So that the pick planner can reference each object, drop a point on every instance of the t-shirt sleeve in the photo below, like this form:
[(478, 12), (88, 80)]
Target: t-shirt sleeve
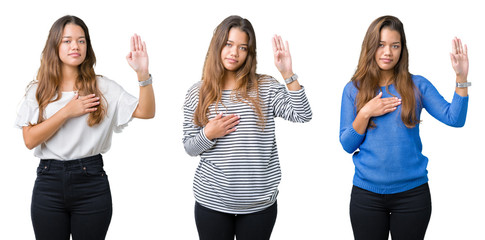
[(28, 110), (126, 105)]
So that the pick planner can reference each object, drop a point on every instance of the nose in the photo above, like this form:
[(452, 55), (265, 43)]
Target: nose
[(234, 51), (74, 45), (387, 51)]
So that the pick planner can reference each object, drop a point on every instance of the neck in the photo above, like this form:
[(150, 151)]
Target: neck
[(229, 80), (387, 77), (69, 77)]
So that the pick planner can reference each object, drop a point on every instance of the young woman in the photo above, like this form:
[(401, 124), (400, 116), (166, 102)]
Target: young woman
[(68, 115), (380, 117), (229, 122)]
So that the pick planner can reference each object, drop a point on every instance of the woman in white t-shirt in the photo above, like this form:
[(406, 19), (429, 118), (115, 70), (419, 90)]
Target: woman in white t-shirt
[(68, 115)]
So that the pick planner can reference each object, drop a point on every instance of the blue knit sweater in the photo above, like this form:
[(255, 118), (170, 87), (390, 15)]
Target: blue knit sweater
[(388, 158)]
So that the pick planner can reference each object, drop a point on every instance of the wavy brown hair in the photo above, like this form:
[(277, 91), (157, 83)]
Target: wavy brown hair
[(49, 76), (367, 76), (246, 90)]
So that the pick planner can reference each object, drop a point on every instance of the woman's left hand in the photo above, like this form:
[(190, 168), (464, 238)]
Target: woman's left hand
[(459, 58), (282, 57), (138, 56)]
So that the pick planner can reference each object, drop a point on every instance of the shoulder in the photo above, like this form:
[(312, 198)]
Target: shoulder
[(192, 96), (418, 79), (350, 89), (421, 82), (194, 89), (31, 90), (105, 83), (267, 82)]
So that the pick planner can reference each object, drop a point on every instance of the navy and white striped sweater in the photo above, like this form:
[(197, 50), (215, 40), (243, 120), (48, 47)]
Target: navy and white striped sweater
[(240, 172)]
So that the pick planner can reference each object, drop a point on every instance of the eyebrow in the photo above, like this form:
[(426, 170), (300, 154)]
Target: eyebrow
[(240, 44), (71, 37), (392, 43)]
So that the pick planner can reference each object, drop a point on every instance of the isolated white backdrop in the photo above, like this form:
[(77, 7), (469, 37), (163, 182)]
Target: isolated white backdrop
[(151, 175)]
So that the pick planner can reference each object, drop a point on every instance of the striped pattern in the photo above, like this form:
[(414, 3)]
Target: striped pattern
[(240, 172)]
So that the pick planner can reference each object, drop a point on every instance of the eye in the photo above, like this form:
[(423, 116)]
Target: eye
[(228, 45), (82, 41), (243, 48), (66, 41), (380, 45), (395, 46)]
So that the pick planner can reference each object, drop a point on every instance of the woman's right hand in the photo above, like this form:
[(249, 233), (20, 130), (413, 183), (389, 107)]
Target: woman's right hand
[(79, 106), (379, 106), (220, 126)]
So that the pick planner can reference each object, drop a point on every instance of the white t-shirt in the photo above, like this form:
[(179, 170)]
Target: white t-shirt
[(75, 139)]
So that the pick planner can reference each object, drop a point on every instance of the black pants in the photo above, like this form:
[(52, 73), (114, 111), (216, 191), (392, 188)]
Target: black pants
[(214, 225), (405, 215), (71, 197)]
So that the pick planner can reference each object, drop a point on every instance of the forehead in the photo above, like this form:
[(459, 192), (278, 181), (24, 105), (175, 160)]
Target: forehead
[(72, 30), (237, 35), (389, 35)]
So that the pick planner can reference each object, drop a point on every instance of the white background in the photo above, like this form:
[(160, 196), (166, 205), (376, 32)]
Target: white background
[(151, 175)]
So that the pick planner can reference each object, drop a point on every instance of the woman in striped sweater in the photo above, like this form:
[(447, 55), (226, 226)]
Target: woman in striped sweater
[(229, 122)]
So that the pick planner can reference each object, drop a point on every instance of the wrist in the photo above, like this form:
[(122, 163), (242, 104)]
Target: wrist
[(461, 79), (287, 75), (207, 135), (143, 76)]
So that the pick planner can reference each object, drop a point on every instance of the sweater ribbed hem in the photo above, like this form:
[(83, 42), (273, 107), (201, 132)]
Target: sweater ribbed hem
[(381, 189)]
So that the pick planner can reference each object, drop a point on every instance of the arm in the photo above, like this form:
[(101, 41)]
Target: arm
[(353, 125), (454, 113), (378, 106), (39, 133), (292, 105), (138, 60), (282, 60), (459, 62), (198, 140)]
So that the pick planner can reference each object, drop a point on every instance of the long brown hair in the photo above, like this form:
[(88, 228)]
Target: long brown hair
[(367, 76), (49, 76), (213, 73)]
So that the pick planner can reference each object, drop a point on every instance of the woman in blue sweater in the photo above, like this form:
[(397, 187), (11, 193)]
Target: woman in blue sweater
[(379, 124)]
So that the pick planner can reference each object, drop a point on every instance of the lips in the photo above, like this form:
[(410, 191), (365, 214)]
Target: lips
[(74, 54), (230, 60), (386, 60)]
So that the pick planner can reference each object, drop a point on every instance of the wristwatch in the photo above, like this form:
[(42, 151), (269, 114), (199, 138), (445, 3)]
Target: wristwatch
[(463, 84), (291, 79), (146, 82)]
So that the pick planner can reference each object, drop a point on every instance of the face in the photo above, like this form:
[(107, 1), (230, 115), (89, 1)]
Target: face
[(72, 50), (389, 49), (235, 51)]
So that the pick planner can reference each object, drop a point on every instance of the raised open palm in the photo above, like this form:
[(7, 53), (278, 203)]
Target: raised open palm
[(459, 58), (138, 57)]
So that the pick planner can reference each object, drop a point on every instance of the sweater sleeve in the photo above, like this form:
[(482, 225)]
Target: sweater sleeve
[(194, 139), (452, 114), (290, 105), (349, 138)]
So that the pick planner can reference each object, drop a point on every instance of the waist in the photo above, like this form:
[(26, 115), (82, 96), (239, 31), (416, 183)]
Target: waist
[(95, 160)]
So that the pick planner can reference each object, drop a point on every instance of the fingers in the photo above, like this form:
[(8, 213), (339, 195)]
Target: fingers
[(273, 43), (453, 59), (230, 121), (454, 46), (136, 44), (378, 95), (136, 38), (280, 45), (132, 43)]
